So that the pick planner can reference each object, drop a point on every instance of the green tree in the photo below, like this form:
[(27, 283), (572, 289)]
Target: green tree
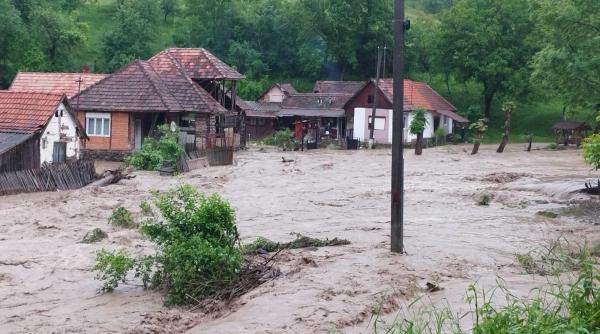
[(132, 35), (478, 129), (486, 41), (12, 32), (58, 35), (169, 8), (569, 63), (417, 126)]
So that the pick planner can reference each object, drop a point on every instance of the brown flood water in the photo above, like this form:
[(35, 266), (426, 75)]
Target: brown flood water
[(46, 285)]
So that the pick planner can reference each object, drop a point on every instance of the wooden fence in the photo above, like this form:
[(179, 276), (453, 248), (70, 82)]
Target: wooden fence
[(63, 176)]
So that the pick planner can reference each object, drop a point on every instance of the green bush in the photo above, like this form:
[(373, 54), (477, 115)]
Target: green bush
[(154, 153), (591, 150), (440, 136), (122, 217), (283, 139), (198, 246)]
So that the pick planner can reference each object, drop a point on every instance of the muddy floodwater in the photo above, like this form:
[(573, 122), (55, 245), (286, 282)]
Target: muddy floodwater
[(47, 286)]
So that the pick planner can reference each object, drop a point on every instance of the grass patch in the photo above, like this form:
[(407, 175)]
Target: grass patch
[(264, 245)]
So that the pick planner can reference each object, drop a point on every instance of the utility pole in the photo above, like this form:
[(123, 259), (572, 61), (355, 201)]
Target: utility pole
[(397, 234), (384, 61), (375, 93)]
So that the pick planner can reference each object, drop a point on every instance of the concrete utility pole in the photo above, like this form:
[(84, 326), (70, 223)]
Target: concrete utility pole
[(398, 131), (375, 93)]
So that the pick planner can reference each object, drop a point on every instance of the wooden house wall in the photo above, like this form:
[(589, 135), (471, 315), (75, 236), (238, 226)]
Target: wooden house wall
[(23, 156), (259, 128)]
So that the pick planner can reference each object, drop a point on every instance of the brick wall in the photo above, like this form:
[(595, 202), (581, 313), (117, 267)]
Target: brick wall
[(120, 133)]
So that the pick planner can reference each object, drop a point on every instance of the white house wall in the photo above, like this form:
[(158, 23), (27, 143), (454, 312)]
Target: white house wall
[(361, 130), (59, 128)]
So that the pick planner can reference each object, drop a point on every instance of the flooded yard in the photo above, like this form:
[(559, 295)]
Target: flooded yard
[(47, 286)]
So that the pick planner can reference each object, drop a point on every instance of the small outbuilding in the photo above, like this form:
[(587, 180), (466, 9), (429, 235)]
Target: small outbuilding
[(570, 132), (37, 128)]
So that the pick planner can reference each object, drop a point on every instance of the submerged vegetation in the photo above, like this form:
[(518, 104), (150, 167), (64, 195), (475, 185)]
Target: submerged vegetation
[(154, 153), (262, 244), (283, 139), (561, 306)]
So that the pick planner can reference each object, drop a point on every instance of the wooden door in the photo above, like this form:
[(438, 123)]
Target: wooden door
[(59, 153)]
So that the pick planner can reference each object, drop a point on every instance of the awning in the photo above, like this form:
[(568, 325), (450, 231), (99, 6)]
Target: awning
[(291, 112), (454, 116), (9, 140)]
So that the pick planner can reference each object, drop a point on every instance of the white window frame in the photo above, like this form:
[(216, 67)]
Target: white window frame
[(95, 117), (378, 120)]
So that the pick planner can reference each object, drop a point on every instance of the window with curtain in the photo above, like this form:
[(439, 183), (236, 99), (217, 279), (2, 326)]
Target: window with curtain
[(97, 124)]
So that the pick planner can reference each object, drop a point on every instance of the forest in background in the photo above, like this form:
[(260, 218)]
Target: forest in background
[(542, 54)]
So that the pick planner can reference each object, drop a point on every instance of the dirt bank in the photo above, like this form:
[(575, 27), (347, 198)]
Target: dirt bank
[(46, 284)]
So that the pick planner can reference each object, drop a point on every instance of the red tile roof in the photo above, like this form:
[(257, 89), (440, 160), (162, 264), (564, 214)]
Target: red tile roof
[(57, 83), (341, 87), (26, 112), (200, 64), (158, 85), (416, 95)]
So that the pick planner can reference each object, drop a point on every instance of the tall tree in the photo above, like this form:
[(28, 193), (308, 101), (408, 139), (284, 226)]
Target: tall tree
[(132, 35), (486, 41), (569, 63), (12, 31), (58, 35)]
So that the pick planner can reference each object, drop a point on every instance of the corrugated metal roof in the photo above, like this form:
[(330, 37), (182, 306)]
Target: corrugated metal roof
[(24, 112), (56, 83), (340, 87), (9, 140)]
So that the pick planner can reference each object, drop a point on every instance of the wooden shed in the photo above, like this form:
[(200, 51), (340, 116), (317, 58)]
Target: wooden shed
[(570, 132)]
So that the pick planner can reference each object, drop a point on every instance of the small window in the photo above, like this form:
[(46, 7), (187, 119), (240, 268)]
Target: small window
[(97, 124), (370, 99), (379, 123)]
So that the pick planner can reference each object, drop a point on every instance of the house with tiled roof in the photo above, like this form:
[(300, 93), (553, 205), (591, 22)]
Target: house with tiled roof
[(440, 113), (37, 128), (189, 87), (277, 93), (56, 83)]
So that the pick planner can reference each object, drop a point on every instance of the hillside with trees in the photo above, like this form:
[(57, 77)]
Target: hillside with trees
[(477, 53)]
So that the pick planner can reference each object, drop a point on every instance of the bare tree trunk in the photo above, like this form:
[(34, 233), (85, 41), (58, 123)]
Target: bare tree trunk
[(475, 148), (530, 142), (487, 104), (419, 144)]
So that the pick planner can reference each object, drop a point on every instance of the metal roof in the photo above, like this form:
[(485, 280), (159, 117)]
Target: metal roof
[(9, 140)]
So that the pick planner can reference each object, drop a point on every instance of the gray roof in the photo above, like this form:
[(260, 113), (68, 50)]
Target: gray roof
[(9, 140)]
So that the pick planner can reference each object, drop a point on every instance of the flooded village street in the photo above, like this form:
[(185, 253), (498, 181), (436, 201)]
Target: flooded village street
[(47, 285)]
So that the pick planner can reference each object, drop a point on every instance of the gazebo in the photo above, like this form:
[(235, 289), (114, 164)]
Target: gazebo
[(570, 132)]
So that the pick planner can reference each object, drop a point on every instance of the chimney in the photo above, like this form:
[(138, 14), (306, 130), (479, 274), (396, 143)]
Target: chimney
[(85, 69)]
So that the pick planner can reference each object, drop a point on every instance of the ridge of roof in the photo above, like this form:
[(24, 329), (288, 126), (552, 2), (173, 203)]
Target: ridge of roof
[(154, 83)]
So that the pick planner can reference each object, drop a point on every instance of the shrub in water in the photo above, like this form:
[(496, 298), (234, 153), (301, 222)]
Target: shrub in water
[(591, 150), (283, 139), (198, 248), (122, 217), (154, 152), (94, 236)]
